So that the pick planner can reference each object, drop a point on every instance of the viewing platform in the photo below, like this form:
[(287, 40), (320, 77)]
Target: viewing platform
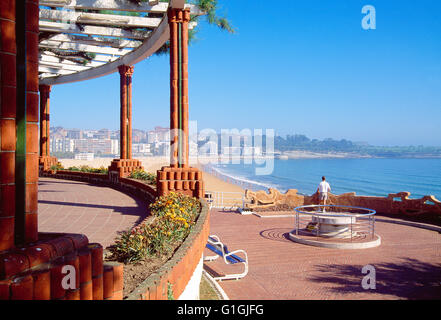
[(407, 267)]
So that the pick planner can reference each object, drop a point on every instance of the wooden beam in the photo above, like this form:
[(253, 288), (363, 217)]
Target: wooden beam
[(59, 27), (51, 57), (159, 7), (157, 39), (63, 66), (54, 70), (82, 47), (88, 40), (99, 18), (117, 5)]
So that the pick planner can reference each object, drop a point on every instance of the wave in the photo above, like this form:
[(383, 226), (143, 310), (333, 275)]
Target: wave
[(364, 177)]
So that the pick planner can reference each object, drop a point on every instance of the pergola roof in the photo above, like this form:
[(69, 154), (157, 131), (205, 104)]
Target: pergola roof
[(79, 41)]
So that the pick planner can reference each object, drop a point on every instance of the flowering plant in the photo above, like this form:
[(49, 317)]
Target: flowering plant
[(174, 215)]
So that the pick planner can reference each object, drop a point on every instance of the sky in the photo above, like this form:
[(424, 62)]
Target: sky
[(295, 66)]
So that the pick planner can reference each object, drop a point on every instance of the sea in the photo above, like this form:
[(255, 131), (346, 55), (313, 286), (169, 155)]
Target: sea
[(365, 176)]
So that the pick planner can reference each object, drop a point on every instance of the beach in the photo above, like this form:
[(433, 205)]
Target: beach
[(152, 164)]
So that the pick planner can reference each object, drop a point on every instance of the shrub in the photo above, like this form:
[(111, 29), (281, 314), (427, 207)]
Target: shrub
[(150, 178), (174, 215), (58, 166), (85, 168)]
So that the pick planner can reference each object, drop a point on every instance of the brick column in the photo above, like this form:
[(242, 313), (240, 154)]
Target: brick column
[(125, 165), (29, 263), (8, 83), (126, 73), (178, 22), (179, 177), (30, 130), (45, 160), (44, 120), (19, 122)]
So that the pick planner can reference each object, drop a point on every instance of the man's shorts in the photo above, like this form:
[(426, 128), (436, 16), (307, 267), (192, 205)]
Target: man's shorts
[(323, 196)]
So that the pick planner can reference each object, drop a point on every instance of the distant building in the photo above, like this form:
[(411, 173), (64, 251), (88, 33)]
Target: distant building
[(84, 156), (74, 134), (159, 134), (96, 146), (141, 148), (103, 134), (61, 145)]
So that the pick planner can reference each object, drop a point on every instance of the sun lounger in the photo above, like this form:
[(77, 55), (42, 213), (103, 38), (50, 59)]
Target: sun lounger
[(215, 245)]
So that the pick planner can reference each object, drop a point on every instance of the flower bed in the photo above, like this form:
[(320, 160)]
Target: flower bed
[(147, 247), (175, 272), (173, 216), (146, 177)]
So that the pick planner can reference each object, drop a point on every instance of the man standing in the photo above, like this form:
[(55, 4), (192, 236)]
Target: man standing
[(323, 190)]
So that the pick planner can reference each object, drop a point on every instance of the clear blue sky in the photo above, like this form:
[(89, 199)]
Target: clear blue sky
[(300, 66)]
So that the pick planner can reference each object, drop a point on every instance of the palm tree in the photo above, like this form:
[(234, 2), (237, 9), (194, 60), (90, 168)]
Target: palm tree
[(211, 8)]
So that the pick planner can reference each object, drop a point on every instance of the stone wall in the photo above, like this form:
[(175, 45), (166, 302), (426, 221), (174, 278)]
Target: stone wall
[(35, 271), (394, 203)]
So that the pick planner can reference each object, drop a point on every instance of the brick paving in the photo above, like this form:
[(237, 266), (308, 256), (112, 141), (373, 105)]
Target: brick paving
[(407, 264), (78, 207)]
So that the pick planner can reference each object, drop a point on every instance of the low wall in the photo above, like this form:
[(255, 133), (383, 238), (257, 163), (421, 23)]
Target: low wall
[(36, 271), (127, 185), (394, 203), (180, 276)]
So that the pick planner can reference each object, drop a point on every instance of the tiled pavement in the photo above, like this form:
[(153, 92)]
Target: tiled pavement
[(77, 207), (407, 264)]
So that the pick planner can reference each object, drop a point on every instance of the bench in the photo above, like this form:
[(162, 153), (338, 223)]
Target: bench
[(215, 245)]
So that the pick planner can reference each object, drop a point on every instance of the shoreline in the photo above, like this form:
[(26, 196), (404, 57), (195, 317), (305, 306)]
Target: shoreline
[(152, 164)]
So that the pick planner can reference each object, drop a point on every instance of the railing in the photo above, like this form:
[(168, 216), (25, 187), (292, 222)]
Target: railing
[(334, 221), (226, 200)]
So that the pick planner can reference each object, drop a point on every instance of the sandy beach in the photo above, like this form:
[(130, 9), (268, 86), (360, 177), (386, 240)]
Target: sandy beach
[(152, 164)]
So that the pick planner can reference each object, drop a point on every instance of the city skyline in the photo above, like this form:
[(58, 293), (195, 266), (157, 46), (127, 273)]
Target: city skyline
[(321, 75)]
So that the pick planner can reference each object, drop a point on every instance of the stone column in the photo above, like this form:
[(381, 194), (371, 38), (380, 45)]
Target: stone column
[(8, 87), (123, 166), (179, 177), (178, 21), (44, 120), (126, 73), (45, 160), (18, 122), (31, 171)]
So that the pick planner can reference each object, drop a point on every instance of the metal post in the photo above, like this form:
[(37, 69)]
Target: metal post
[(351, 228), (297, 219), (318, 227)]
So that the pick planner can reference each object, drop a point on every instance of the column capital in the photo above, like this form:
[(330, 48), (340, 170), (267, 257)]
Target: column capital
[(126, 70), (44, 88), (178, 15)]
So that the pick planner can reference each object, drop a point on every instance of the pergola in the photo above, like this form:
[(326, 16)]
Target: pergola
[(76, 43), (85, 39), (51, 42)]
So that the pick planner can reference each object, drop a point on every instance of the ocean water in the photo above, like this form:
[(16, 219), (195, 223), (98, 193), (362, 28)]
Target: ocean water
[(369, 176)]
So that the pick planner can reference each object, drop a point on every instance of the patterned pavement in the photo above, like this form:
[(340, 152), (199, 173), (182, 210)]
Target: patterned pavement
[(407, 263), (78, 207)]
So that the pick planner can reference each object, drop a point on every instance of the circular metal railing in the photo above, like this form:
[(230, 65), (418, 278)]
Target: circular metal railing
[(335, 222)]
